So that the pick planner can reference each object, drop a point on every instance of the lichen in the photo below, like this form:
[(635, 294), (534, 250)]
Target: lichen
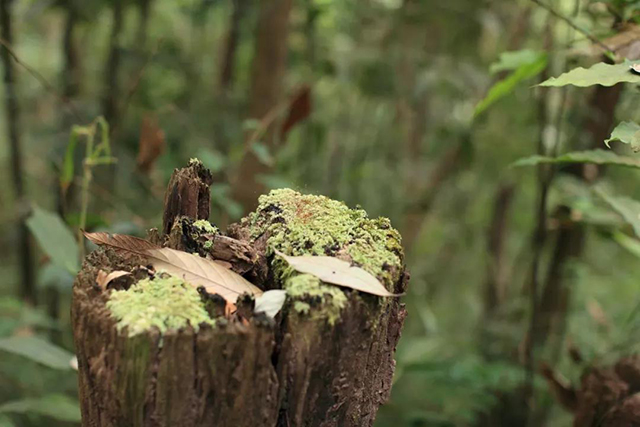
[(299, 224), (194, 161), (165, 302), (307, 290), (205, 226)]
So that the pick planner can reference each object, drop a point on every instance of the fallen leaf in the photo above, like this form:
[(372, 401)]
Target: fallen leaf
[(270, 302), (197, 271), (103, 278), (152, 143), (299, 109), (338, 272)]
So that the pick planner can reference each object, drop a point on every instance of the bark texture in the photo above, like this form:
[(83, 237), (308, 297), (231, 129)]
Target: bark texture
[(296, 370)]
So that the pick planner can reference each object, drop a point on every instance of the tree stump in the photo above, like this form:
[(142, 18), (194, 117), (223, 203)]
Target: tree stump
[(325, 360)]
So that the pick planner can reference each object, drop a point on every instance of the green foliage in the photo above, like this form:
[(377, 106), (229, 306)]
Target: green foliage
[(599, 74), (525, 71), (56, 406), (598, 157), (627, 133), (55, 239), (38, 350), (509, 61), (628, 208)]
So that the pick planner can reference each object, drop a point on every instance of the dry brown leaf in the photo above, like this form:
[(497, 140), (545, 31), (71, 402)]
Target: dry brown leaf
[(122, 242), (104, 279), (335, 271), (215, 278), (197, 271), (152, 143)]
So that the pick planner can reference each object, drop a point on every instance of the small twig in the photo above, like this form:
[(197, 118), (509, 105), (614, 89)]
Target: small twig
[(43, 81), (573, 25)]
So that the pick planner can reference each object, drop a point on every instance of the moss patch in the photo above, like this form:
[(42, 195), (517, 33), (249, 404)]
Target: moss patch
[(307, 290), (165, 303), (300, 224), (205, 226)]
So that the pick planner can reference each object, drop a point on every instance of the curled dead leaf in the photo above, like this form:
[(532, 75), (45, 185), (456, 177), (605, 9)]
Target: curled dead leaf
[(104, 279)]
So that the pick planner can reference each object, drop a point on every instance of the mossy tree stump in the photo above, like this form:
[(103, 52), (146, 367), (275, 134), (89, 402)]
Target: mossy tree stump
[(325, 360)]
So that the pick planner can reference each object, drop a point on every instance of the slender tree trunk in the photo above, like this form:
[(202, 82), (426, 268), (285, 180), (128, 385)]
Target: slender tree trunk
[(143, 23), (12, 112), (227, 74), (72, 74), (267, 78), (111, 88)]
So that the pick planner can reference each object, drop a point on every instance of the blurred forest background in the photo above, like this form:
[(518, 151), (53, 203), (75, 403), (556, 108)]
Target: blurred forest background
[(414, 109)]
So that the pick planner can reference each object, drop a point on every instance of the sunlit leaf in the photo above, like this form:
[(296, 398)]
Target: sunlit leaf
[(507, 85), (338, 272), (627, 133), (56, 406), (38, 350), (55, 238), (599, 157), (270, 302), (599, 74)]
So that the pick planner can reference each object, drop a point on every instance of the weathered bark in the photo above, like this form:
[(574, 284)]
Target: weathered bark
[(12, 108), (267, 78), (295, 371)]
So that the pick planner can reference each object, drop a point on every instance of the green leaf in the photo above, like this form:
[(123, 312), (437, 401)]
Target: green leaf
[(56, 406), (38, 350), (6, 421), (262, 153), (510, 61), (599, 74), (598, 157), (66, 176), (506, 86), (628, 208), (629, 243), (627, 133), (212, 159), (55, 238), (54, 276)]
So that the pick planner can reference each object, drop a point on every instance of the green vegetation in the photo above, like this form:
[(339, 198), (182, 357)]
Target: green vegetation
[(165, 303)]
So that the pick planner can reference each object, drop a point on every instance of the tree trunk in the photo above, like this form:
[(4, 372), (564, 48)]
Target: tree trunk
[(227, 74), (112, 67), (300, 370), (267, 75), (12, 108)]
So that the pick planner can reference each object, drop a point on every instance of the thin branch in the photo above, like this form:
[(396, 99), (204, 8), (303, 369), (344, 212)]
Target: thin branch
[(43, 81), (573, 25)]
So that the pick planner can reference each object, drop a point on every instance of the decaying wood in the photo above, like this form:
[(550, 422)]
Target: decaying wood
[(291, 371), (187, 195)]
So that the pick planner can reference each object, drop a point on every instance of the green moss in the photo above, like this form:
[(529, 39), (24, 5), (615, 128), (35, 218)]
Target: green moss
[(205, 226), (164, 303), (208, 244), (305, 288), (316, 225), (300, 224)]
